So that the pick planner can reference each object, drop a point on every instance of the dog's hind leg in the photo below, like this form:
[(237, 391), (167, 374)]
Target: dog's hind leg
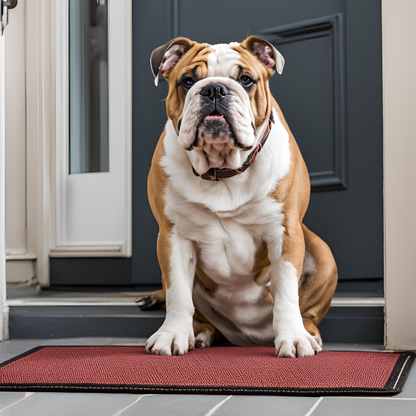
[(317, 283), (154, 300), (205, 333), (157, 299)]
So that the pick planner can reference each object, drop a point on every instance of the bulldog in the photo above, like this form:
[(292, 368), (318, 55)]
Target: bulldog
[(229, 189)]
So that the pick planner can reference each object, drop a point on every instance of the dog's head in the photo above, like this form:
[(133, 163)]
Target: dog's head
[(219, 96)]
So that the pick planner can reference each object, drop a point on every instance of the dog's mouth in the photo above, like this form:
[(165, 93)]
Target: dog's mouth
[(216, 129), (214, 139), (214, 115)]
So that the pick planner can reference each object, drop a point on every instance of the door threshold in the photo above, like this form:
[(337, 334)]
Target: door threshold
[(75, 298), (128, 299)]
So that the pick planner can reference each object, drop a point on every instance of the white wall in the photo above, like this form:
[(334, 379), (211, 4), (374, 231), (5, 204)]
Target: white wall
[(399, 74)]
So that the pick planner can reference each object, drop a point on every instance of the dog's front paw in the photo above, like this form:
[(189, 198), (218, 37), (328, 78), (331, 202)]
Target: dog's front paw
[(296, 344), (170, 342)]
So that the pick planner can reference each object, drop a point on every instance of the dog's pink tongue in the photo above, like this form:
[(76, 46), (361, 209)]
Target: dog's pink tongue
[(214, 116)]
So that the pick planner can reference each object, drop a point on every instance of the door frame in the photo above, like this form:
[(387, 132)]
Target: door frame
[(399, 108), (399, 191), (3, 303)]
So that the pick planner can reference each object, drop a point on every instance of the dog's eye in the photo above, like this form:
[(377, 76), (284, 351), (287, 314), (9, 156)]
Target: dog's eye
[(188, 82), (246, 81)]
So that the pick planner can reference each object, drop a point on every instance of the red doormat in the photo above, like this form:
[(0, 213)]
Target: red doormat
[(228, 370)]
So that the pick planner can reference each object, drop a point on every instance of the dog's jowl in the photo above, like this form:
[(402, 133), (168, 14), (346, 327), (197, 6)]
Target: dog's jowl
[(229, 189)]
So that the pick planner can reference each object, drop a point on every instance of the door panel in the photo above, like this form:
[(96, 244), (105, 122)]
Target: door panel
[(312, 89), (330, 93)]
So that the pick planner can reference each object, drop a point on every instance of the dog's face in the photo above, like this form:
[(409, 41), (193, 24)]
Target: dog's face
[(218, 96)]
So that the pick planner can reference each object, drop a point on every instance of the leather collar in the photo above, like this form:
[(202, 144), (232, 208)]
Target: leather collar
[(215, 174)]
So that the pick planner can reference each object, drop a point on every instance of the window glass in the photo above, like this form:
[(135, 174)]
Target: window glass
[(88, 86)]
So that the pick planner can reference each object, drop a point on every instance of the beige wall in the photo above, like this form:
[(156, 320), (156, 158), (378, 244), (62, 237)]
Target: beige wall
[(399, 73)]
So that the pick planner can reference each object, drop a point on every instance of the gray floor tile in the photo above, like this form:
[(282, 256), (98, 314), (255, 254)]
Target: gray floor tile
[(125, 341), (266, 405), (73, 341), (409, 389), (333, 346), (339, 406), (8, 398), (174, 405), (71, 404), (17, 346), (5, 357)]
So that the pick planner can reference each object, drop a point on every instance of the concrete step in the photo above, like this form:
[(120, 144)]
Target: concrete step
[(358, 319), (82, 321)]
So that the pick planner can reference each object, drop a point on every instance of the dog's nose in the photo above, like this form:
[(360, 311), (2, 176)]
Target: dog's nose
[(215, 91)]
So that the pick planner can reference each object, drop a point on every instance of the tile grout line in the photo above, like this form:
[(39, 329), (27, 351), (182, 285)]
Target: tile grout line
[(27, 394), (217, 406), (315, 405), (122, 410)]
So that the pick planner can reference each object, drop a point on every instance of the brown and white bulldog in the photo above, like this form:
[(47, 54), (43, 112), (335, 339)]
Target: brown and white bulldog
[(236, 259)]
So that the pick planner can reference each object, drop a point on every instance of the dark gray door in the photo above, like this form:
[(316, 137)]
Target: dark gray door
[(330, 92)]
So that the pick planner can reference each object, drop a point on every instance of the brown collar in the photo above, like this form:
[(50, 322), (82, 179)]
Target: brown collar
[(215, 174)]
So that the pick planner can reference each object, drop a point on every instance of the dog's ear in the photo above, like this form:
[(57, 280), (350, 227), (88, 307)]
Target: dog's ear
[(265, 52), (165, 57)]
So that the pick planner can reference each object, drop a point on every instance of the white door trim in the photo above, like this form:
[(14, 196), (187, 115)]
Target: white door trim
[(47, 135), (399, 107), (40, 122)]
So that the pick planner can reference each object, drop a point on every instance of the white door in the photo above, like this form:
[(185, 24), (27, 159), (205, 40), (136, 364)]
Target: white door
[(3, 305), (93, 136)]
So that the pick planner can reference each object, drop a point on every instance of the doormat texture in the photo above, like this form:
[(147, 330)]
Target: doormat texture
[(228, 370)]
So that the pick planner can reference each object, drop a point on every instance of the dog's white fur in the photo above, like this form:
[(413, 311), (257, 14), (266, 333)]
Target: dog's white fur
[(224, 223)]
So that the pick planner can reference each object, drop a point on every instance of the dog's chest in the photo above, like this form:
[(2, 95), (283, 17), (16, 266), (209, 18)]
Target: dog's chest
[(227, 248), (228, 242)]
